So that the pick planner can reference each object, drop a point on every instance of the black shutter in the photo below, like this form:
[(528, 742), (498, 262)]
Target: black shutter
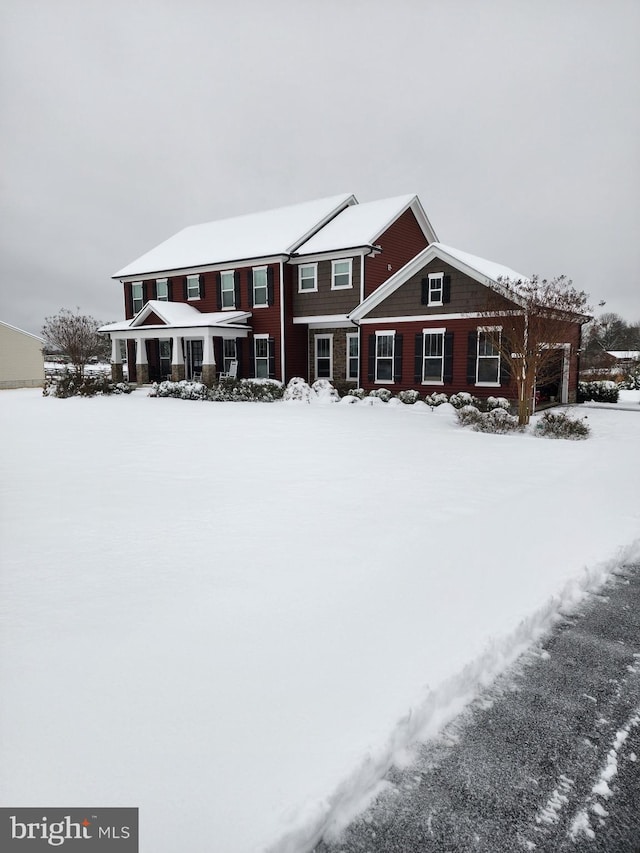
[(424, 299), (397, 359), (186, 291), (219, 291), (272, 358), (472, 355), (446, 289), (372, 358), (270, 298), (417, 372), (239, 354), (236, 286), (144, 291), (252, 358), (128, 300), (505, 371), (170, 290), (201, 285), (154, 289), (218, 354), (448, 358), (250, 287)]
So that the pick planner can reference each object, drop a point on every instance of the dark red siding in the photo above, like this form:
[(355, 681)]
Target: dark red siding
[(400, 242)]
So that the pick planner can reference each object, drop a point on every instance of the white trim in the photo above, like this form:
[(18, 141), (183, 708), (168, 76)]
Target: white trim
[(480, 330), (133, 298), (441, 334), (434, 331), (348, 358), (335, 286), (236, 263), (423, 318), (254, 270), (261, 337), (338, 254), (421, 217), (325, 319), (317, 338), (224, 307), (489, 328), (22, 331), (385, 333), (362, 257), (166, 281), (433, 277), (282, 329), (313, 289), (199, 296)]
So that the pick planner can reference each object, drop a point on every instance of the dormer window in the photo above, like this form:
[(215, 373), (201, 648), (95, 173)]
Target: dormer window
[(436, 287)]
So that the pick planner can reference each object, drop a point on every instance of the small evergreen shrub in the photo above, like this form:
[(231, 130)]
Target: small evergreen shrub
[(297, 391), (631, 381), (463, 398), (496, 420), (598, 392), (359, 393), (324, 391), (436, 399), (497, 403), (560, 425), (71, 385), (183, 390), (227, 391), (409, 397), (382, 393)]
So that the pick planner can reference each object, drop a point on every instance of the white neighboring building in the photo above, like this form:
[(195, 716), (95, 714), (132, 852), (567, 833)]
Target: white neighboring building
[(21, 359)]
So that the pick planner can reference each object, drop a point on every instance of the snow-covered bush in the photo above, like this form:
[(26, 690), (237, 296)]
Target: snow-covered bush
[(496, 420), (359, 393), (382, 393), (497, 403), (463, 398), (631, 381), (560, 425), (436, 399), (246, 391), (598, 392), (409, 397), (71, 385), (469, 415), (325, 392), (183, 390), (297, 391)]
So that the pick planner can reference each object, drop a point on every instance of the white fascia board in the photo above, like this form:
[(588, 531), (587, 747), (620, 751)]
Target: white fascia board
[(318, 320), (427, 318), (421, 217), (222, 265), (22, 331), (347, 202), (152, 332), (353, 252)]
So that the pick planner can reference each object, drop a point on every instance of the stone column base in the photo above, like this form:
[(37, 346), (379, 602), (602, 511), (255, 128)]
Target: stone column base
[(116, 373), (142, 374), (209, 374), (177, 372)]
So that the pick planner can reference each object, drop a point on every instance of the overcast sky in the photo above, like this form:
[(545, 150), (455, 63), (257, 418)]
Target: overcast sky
[(516, 122)]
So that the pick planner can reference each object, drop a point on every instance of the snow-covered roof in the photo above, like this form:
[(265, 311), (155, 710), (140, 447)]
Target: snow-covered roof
[(489, 269), (180, 315), (254, 235), (361, 224), (622, 354), (22, 331)]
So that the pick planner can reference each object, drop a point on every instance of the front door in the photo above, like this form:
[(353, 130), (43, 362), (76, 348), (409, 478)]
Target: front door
[(193, 358)]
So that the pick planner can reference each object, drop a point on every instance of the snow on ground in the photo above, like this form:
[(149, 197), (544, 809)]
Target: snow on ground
[(234, 616)]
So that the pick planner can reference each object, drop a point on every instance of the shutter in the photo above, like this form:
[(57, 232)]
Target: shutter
[(446, 289), (505, 371), (143, 285), (397, 358), (236, 286), (270, 295), (218, 353), (272, 358), (201, 284), (250, 287), (154, 289), (472, 355), (128, 300), (252, 358), (424, 300), (448, 358), (219, 291), (372, 358), (417, 372), (170, 290), (239, 354), (186, 292)]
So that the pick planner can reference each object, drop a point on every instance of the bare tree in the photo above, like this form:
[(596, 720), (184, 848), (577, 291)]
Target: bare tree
[(535, 318), (75, 335)]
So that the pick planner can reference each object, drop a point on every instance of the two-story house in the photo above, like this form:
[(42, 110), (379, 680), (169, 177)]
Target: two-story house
[(360, 293)]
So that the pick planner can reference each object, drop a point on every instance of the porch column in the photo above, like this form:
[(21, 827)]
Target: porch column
[(142, 365), (116, 361), (208, 361), (177, 359)]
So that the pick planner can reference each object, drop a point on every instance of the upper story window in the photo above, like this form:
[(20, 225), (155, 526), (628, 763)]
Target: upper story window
[(162, 289), (307, 277), (341, 274), (488, 362), (260, 287), (193, 287), (228, 289), (436, 287), (137, 296)]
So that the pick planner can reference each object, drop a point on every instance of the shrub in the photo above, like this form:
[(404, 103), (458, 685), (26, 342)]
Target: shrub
[(324, 391), (462, 398), (297, 391), (71, 385), (183, 390), (227, 391), (497, 403), (560, 425), (360, 393), (496, 420), (382, 393), (631, 381), (598, 392), (436, 399), (409, 397)]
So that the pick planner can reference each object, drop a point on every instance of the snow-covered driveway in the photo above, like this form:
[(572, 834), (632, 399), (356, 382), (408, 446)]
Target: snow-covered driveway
[(225, 613)]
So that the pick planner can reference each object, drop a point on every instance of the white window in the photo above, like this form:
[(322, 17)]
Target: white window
[(488, 363), (307, 277), (137, 296), (261, 355), (162, 290), (229, 353), (433, 356), (193, 287), (228, 289), (384, 356), (324, 356), (436, 285), (260, 289), (341, 274), (353, 356)]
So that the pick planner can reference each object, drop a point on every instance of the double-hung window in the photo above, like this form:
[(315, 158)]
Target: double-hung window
[(193, 287), (341, 274), (384, 356), (433, 356), (261, 355), (488, 363), (260, 288), (353, 356), (436, 287), (307, 277), (228, 289), (324, 356), (162, 290), (229, 353), (137, 296)]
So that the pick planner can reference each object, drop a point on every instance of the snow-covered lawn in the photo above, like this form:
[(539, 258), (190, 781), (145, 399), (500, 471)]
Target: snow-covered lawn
[(235, 615)]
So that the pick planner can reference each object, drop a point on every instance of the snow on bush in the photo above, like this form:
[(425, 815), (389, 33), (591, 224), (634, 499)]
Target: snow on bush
[(497, 403), (183, 390), (381, 393), (71, 385), (325, 392), (631, 382), (436, 399), (462, 398), (409, 397), (297, 391), (228, 391), (496, 420), (560, 425), (358, 393), (598, 392)]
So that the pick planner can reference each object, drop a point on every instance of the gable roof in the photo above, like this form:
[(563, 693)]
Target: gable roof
[(22, 331), (361, 225), (179, 315), (484, 271), (254, 235)]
